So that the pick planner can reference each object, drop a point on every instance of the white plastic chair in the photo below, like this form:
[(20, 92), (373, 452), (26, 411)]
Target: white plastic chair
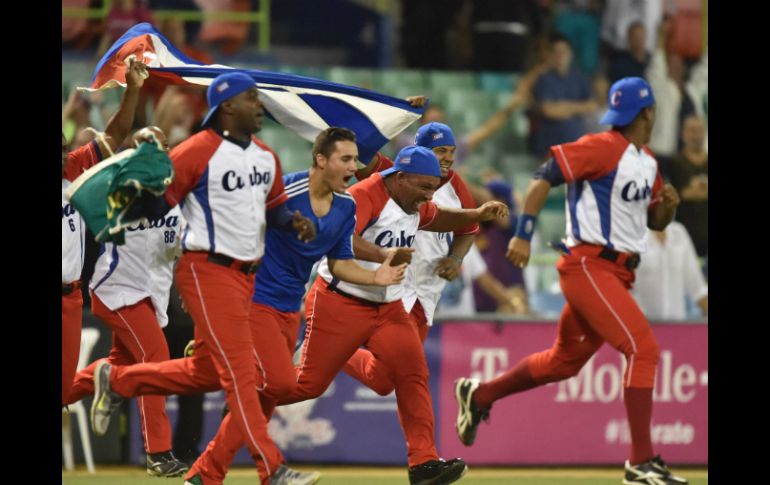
[(88, 339)]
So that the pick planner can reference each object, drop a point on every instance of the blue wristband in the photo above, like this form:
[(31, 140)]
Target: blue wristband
[(526, 227)]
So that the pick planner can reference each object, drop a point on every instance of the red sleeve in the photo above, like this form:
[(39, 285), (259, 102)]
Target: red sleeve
[(81, 159), (382, 163), (370, 196), (428, 212), (591, 157), (190, 160), (277, 194), (466, 201), (656, 186)]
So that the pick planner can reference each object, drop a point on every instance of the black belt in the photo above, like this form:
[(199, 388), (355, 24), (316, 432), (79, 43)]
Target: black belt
[(245, 267), (68, 288), (363, 301), (631, 260)]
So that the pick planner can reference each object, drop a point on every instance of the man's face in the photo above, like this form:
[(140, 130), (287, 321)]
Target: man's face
[(694, 133), (433, 114), (246, 110), (561, 56), (413, 190), (340, 166), (637, 38), (446, 157)]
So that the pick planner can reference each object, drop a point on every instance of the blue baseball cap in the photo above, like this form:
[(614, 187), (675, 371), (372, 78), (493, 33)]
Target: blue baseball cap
[(415, 159), (627, 98), (224, 87), (501, 189), (434, 134)]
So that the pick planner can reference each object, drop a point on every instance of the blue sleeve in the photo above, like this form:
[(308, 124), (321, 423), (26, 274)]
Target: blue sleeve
[(550, 172), (279, 217), (344, 247)]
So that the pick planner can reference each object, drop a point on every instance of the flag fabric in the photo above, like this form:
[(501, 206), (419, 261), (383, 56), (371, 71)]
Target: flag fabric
[(302, 104), (106, 195)]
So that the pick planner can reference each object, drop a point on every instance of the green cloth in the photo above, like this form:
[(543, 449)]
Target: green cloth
[(105, 194)]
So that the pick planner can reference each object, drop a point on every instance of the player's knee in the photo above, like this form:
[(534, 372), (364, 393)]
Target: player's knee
[(383, 389), (647, 350)]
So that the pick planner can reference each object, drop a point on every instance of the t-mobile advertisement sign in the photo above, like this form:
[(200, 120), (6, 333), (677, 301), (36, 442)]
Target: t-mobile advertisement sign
[(581, 420)]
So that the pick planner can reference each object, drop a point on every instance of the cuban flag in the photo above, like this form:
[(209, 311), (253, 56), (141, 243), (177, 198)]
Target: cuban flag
[(302, 104)]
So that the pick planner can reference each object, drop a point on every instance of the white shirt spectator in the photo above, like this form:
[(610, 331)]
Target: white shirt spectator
[(668, 273), (668, 101), (457, 298)]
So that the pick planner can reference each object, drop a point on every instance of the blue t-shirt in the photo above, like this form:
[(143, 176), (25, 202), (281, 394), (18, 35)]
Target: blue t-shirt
[(287, 262), (550, 86)]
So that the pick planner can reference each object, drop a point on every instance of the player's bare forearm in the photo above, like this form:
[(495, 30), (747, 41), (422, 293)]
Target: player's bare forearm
[(461, 245), (448, 219), (367, 251), (122, 121), (537, 194), (660, 215), (351, 272)]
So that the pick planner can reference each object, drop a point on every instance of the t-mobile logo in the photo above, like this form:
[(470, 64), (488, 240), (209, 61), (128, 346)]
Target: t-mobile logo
[(486, 364)]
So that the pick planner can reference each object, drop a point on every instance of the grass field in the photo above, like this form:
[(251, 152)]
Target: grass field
[(387, 476)]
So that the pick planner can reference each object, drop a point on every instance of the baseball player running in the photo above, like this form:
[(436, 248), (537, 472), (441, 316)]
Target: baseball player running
[(615, 193), (72, 228), (129, 292), (231, 188), (436, 260)]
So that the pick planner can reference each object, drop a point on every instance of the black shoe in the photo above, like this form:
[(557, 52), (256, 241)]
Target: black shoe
[(437, 472), (165, 465), (652, 472), (468, 414)]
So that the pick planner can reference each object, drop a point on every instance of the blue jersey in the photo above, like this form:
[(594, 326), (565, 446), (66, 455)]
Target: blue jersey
[(287, 262)]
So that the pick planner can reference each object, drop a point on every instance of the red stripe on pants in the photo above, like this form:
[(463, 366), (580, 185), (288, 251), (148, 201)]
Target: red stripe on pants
[(599, 308), (136, 337), (273, 334), (71, 324), (219, 301), (336, 327)]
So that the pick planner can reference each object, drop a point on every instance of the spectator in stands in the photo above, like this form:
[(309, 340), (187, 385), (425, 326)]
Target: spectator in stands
[(601, 89), (620, 14), (579, 21), (668, 275), (458, 296), (492, 243), (632, 61), (562, 99), (666, 77), (123, 15), (468, 142), (689, 174)]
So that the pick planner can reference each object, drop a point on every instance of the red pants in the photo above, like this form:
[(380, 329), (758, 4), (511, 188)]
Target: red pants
[(219, 300), (372, 373), (274, 333), (71, 324), (136, 337), (599, 308), (336, 327)]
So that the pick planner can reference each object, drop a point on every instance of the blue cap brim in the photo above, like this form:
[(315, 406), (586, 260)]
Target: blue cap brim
[(388, 171), (618, 118), (208, 115)]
